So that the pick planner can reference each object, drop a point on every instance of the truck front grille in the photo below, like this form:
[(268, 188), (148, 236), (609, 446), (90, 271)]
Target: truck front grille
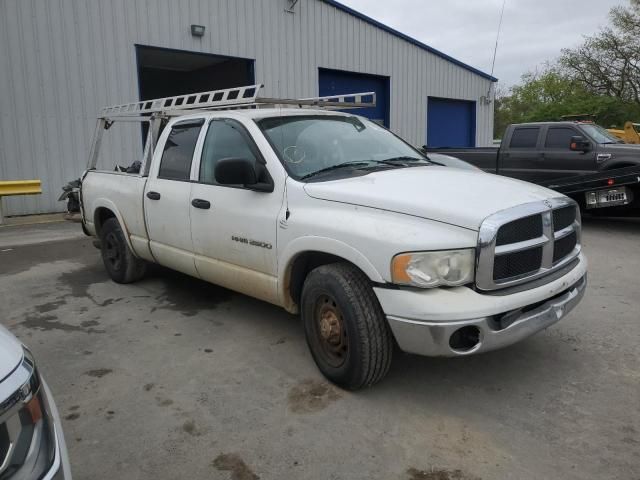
[(522, 229), (564, 246), (563, 217), (516, 264), (527, 242)]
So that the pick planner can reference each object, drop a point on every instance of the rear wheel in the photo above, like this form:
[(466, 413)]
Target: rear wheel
[(120, 262), (345, 327)]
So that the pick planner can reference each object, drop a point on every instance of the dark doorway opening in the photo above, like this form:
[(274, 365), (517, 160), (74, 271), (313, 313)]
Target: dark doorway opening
[(339, 82), (165, 72)]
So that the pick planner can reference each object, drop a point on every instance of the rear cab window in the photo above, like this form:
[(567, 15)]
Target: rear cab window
[(177, 154), (524, 137)]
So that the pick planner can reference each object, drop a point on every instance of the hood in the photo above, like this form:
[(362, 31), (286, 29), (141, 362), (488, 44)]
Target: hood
[(10, 353), (458, 197)]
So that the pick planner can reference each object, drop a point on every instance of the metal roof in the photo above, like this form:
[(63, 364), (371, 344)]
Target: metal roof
[(409, 39)]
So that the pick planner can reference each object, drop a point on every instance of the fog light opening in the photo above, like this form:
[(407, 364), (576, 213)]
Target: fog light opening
[(465, 339)]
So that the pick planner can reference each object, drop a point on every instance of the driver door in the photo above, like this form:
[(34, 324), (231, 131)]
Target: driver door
[(561, 161), (234, 228)]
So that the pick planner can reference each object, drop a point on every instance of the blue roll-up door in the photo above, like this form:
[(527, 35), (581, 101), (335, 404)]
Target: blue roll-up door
[(451, 123), (338, 82)]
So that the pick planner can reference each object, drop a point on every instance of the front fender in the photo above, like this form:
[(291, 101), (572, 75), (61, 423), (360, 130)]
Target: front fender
[(325, 245)]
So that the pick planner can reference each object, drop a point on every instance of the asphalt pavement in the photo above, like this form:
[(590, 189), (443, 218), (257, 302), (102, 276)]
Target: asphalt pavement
[(175, 378)]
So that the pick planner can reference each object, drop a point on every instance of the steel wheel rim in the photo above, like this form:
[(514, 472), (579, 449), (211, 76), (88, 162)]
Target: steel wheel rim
[(112, 251), (330, 331)]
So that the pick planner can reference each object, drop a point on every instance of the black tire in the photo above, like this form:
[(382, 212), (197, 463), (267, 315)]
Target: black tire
[(121, 264), (345, 327)]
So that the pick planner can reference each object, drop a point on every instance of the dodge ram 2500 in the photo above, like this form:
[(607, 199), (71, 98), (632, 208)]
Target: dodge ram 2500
[(332, 216)]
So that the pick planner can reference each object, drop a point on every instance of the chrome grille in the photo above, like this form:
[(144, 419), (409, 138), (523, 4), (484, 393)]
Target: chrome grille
[(519, 230), (518, 263), (563, 217), (527, 242), (564, 246)]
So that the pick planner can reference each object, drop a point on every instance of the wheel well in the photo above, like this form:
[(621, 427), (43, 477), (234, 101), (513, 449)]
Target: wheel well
[(101, 215), (305, 263)]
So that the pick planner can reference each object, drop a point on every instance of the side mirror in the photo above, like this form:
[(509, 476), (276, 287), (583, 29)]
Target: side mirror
[(579, 144), (236, 171)]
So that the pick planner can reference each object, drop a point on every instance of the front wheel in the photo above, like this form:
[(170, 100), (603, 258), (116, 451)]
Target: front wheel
[(120, 262), (345, 327)]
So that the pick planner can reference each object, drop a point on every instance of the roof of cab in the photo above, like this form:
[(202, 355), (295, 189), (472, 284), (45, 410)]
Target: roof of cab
[(257, 113)]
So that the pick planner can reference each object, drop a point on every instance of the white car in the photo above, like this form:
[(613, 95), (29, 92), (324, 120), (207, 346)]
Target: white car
[(32, 445), (332, 216)]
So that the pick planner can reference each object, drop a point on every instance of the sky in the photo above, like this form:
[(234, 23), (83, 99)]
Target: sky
[(533, 31)]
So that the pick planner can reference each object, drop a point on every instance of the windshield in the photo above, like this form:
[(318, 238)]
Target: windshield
[(599, 134), (307, 145)]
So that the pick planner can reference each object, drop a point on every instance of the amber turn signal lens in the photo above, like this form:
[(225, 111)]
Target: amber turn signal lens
[(35, 409), (399, 268)]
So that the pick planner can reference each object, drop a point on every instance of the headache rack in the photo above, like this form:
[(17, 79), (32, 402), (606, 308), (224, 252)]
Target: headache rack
[(157, 110)]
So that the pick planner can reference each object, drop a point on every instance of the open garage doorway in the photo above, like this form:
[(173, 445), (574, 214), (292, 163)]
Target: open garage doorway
[(164, 72)]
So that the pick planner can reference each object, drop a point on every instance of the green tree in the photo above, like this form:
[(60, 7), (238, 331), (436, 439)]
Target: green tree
[(601, 77), (550, 95), (608, 63)]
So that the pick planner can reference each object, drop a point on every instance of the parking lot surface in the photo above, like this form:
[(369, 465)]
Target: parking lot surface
[(175, 378)]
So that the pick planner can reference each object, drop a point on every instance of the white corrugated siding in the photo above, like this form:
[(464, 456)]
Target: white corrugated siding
[(62, 60)]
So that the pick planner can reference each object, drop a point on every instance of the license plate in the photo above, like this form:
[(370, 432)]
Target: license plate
[(608, 198)]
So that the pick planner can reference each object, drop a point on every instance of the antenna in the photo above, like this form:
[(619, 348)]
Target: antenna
[(495, 50)]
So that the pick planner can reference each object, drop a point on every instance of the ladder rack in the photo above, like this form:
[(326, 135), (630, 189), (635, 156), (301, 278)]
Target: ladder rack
[(231, 98)]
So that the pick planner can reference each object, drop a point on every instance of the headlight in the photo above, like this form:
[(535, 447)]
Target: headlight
[(433, 269)]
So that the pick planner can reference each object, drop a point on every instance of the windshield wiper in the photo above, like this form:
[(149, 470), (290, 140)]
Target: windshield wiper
[(357, 163), (389, 162), (393, 160)]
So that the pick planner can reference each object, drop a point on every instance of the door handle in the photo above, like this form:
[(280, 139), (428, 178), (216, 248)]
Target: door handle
[(199, 203), (153, 195)]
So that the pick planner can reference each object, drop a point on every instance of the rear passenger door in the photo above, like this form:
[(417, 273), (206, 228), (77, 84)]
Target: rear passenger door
[(167, 197), (560, 160), (520, 157)]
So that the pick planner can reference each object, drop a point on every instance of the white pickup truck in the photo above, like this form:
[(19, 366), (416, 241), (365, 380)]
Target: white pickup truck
[(332, 216)]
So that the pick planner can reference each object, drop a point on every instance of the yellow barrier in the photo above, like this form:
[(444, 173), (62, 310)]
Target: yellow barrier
[(18, 187)]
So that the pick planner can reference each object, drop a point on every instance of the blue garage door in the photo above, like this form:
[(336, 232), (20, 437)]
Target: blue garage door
[(451, 123), (337, 82)]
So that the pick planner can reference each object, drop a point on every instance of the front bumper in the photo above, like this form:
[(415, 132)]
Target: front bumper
[(423, 322)]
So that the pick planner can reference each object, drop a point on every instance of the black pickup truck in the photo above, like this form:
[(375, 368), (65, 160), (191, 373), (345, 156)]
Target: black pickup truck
[(579, 159)]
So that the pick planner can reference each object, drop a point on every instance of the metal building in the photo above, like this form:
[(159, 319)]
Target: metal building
[(62, 60)]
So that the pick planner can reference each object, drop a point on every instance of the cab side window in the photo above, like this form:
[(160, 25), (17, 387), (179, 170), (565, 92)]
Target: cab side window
[(524, 137), (225, 139), (559, 137), (177, 155)]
